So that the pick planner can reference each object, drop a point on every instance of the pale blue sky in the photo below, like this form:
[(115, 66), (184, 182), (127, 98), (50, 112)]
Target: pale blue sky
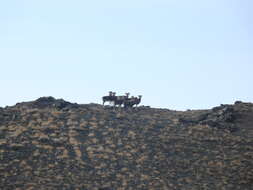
[(179, 54)]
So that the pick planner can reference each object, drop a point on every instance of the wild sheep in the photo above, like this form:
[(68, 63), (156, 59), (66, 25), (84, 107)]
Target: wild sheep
[(132, 101), (121, 99), (110, 98)]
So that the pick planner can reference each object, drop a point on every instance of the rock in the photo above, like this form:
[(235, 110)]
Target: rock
[(238, 102), (46, 102)]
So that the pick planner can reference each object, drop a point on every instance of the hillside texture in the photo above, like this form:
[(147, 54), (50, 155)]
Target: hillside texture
[(54, 144)]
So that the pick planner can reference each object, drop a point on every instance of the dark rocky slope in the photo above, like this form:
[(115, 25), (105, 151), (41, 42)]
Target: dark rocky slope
[(54, 144)]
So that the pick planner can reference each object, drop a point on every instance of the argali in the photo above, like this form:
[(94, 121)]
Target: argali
[(119, 100)]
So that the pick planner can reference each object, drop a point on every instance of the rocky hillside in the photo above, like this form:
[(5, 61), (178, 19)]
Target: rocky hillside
[(54, 144)]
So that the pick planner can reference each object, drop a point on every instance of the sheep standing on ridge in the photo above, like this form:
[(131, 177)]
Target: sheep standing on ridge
[(132, 101), (120, 100), (110, 98)]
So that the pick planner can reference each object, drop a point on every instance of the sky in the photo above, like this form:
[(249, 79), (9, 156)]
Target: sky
[(178, 54)]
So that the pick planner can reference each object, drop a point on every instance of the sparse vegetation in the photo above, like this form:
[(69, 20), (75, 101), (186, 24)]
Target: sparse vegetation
[(54, 144)]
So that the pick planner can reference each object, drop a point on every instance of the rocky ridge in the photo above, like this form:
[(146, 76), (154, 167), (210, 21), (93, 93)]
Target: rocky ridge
[(53, 144)]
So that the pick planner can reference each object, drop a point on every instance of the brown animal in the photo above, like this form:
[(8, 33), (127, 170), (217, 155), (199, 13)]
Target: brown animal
[(110, 98), (120, 100), (132, 101)]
